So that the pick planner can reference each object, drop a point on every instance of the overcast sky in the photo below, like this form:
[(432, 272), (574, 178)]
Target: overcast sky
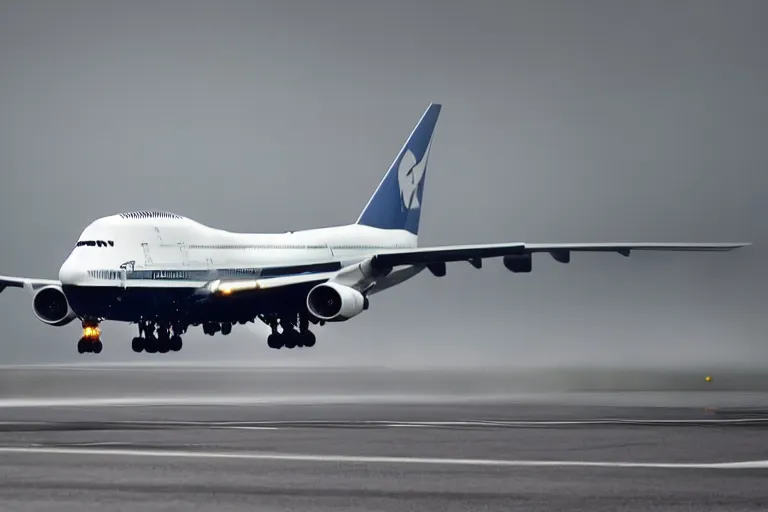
[(562, 121)]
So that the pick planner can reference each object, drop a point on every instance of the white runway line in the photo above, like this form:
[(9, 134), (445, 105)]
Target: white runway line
[(230, 400), (278, 425), (231, 427), (487, 424), (758, 464)]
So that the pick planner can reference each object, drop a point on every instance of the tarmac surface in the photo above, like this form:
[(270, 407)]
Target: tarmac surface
[(108, 438)]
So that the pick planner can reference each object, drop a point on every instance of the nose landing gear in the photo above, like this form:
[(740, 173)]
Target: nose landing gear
[(90, 342)]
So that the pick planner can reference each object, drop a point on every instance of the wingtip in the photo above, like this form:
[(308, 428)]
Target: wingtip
[(734, 246)]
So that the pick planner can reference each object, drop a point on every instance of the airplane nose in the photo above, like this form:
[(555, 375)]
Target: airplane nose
[(71, 272)]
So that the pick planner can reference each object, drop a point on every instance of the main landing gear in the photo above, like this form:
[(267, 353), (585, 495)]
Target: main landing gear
[(154, 337), (90, 342), (158, 338), (292, 333), (211, 328)]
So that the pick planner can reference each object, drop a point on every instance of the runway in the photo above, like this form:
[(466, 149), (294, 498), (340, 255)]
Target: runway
[(70, 441)]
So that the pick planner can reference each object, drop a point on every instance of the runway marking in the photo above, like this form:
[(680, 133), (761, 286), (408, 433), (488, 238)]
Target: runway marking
[(98, 443), (757, 464), (368, 424), (229, 400), (492, 424), (244, 427)]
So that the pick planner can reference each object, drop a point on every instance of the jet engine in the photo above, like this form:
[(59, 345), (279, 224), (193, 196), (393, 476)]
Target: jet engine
[(334, 302), (51, 307)]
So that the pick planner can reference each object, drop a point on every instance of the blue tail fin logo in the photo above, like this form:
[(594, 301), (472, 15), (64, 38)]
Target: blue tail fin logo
[(410, 178), (397, 202)]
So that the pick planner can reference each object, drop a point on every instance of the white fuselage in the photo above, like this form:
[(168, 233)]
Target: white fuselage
[(170, 250)]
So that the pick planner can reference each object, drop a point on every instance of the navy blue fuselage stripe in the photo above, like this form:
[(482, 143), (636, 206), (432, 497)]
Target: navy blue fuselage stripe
[(218, 273)]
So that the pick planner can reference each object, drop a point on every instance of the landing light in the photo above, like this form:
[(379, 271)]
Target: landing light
[(231, 287), (708, 378), (91, 332)]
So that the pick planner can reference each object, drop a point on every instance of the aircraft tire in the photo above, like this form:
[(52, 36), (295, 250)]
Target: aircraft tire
[(150, 345), (274, 341), (308, 339), (289, 339)]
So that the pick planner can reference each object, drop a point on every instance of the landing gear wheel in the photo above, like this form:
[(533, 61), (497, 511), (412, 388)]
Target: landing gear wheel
[(175, 343), (89, 339), (137, 344), (150, 345), (289, 339), (226, 328), (163, 341), (274, 341), (308, 339)]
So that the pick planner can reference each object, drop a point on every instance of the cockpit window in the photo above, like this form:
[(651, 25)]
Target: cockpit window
[(95, 243)]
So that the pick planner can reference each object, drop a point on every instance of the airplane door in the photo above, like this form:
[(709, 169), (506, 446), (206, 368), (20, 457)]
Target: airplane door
[(124, 268), (147, 256), (184, 256)]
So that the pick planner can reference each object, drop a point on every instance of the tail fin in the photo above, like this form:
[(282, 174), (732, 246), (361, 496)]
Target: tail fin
[(396, 203)]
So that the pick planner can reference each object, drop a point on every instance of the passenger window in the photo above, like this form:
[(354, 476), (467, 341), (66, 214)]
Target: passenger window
[(96, 243)]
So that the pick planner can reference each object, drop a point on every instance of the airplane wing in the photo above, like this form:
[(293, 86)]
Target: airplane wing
[(360, 275), (559, 251), (28, 284)]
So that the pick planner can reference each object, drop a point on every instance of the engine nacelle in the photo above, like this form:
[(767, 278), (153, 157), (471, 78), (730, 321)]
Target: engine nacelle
[(51, 307), (518, 263), (334, 302)]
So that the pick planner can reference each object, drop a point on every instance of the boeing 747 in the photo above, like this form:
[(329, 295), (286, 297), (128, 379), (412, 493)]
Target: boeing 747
[(166, 273)]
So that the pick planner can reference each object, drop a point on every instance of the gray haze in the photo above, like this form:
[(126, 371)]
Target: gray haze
[(562, 121)]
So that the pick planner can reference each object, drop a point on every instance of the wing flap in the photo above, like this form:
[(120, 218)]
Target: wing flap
[(626, 246), (560, 251), (445, 254)]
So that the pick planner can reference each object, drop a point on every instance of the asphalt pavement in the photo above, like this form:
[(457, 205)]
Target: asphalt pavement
[(332, 439)]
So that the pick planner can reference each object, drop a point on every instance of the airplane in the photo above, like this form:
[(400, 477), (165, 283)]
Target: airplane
[(166, 273)]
